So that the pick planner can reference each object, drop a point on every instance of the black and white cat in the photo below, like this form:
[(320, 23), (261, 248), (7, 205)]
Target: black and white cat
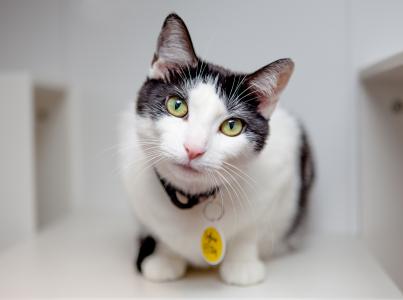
[(205, 146)]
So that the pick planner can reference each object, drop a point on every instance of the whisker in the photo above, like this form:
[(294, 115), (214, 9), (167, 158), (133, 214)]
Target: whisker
[(234, 190), (226, 186), (230, 197), (250, 203), (247, 176)]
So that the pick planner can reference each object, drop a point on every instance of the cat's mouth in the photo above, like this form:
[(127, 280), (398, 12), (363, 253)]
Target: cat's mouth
[(187, 168)]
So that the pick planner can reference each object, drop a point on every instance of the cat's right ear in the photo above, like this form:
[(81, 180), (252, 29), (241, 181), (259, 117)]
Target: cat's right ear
[(174, 48), (268, 83)]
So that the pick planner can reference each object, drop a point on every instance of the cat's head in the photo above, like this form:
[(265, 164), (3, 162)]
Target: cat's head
[(196, 118)]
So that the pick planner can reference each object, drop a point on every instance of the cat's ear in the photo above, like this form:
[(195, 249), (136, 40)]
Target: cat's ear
[(174, 48), (268, 82)]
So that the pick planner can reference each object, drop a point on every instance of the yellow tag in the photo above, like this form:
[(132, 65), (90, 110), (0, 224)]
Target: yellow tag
[(212, 245)]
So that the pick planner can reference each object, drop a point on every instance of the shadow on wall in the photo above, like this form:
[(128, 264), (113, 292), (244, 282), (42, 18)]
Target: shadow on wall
[(52, 154)]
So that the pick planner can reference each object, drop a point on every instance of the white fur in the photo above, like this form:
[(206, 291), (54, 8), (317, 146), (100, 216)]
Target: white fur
[(258, 208)]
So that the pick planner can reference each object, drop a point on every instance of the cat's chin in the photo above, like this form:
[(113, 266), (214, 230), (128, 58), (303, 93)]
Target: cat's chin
[(188, 169), (189, 178)]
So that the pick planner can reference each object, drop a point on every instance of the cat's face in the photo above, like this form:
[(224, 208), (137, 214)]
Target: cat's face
[(196, 118)]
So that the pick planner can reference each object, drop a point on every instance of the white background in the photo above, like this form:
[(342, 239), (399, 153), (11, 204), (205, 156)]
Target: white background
[(102, 50)]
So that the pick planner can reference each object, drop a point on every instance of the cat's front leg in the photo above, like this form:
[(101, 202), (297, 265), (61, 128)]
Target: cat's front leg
[(241, 265), (162, 264)]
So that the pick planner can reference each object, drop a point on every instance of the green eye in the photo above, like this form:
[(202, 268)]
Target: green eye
[(177, 107), (232, 127)]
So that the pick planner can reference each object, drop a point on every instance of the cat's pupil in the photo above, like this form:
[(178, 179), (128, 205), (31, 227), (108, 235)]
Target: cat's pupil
[(177, 104), (231, 124)]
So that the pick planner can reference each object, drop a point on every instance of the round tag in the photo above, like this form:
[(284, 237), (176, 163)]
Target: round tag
[(213, 211), (212, 245)]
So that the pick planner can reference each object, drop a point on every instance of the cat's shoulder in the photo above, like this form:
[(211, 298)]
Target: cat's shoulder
[(284, 127), (284, 140)]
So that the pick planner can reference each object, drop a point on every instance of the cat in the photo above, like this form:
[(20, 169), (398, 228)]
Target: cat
[(205, 146)]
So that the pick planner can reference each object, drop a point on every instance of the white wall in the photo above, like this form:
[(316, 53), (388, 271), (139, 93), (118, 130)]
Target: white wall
[(17, 207), (103, 49), (32, 38), (376, 30)]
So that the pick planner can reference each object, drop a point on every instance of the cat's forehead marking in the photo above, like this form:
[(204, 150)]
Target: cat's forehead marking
[(204, 99)]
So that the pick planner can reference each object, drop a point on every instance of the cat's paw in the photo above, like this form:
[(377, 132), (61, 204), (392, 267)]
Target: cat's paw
[(243, 272), (163, 268)]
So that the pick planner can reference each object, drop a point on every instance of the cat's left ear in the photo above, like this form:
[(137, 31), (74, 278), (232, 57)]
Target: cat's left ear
[(268, 83), (174, 48)]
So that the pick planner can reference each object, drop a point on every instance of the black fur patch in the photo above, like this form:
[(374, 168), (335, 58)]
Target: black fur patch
[(307, 176), (147, 247), (239, 98)]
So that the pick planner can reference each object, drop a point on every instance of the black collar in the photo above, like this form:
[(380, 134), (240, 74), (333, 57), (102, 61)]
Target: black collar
[(182, 199)]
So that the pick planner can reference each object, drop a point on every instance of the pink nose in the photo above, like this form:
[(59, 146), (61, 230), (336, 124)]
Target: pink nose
[(193, 152)]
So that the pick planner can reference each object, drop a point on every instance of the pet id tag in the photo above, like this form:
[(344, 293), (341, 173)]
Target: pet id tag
[(212, 245), (212, 242)]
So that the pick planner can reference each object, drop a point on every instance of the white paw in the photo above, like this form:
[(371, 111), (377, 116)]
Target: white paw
[(163, 268), (243, 272)]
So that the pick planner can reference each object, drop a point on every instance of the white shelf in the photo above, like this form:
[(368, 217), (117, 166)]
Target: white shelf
[(92, 256), (389, 69)]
